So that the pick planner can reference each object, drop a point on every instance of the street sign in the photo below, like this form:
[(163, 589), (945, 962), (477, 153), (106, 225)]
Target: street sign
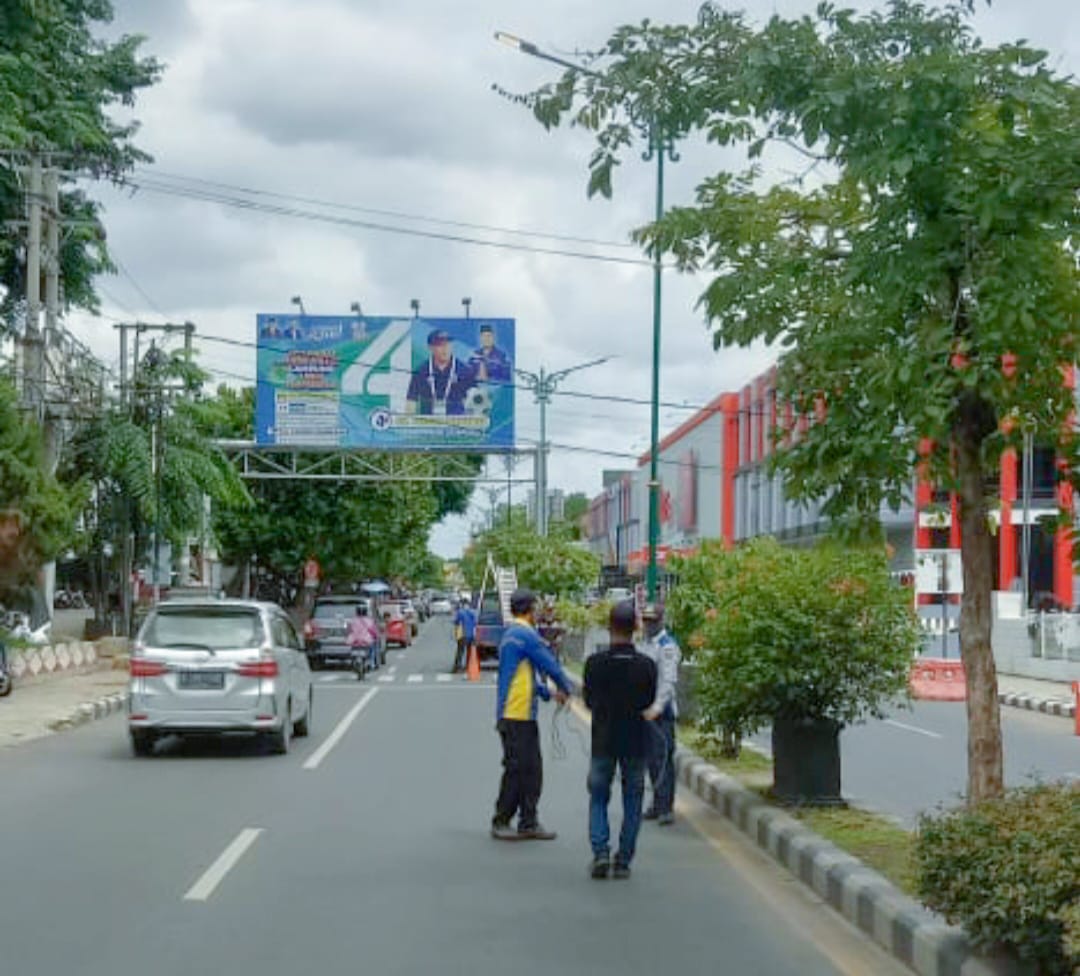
[(384, 383), (938, 571)]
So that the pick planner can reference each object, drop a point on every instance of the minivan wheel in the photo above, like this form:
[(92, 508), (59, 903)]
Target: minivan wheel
[(302, 726), (142, 742), (280, 739)]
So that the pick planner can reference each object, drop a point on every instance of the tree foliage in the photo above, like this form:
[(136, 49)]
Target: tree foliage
[(37, 512), (918, 276), (60, 92), (549, 565), (820, 633)]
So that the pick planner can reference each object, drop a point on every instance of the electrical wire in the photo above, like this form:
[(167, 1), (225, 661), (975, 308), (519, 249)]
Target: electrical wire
[(379, 212), (241, 203)]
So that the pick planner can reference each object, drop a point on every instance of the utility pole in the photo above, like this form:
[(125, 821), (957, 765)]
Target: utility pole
[(33, 358), (543, 385)]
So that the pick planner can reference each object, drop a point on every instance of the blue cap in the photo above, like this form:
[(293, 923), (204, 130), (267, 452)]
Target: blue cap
[(436, 336)]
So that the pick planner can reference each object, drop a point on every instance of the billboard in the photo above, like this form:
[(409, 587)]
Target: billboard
[(384, 382)]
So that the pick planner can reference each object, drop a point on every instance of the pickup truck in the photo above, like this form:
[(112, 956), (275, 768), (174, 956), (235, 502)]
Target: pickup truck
[(489, 626)]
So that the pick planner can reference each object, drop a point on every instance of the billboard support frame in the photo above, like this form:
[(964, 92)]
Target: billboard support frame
[(278, 462)]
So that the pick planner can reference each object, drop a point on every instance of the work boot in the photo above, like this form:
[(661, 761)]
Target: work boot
[(620, 870), (666, 819), (536, 832), (651, 814), (601, 865)]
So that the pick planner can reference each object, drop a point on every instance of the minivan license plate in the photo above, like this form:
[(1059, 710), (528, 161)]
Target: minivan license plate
[(202, 680)]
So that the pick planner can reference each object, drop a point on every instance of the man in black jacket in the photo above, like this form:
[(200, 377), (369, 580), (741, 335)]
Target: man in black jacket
[(620, 684)]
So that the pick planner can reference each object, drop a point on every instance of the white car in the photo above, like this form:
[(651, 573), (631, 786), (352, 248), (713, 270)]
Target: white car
[(617, 594), (440, 604), (200, 666)]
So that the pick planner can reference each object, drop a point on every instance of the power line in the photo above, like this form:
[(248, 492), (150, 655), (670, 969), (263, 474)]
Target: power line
[(311, 215), (398, 214)]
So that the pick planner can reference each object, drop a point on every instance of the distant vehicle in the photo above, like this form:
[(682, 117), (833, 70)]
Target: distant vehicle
[(489, 626), (326, 632), (441, 604), (412, 615), (398, 630), (617, 594), (202, 666)]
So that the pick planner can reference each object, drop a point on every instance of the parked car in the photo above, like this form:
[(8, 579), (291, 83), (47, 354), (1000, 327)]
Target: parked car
[(617, 594), (397, 627), (200, 666), (440, 603), (326, 631)]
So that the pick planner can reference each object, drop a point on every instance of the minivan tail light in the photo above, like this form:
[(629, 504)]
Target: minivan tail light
[(140, 667), (263, 668)]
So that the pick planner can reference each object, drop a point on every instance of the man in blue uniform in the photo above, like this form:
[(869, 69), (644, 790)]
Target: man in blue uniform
[(438, 387), (465, 632), (490, 363), (524, 663)]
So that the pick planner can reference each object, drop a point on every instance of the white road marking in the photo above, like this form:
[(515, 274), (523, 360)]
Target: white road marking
[(339, 730), (444, 677), (913, 728), (386, 679), (392, 669), (204, 887), (415, 678)]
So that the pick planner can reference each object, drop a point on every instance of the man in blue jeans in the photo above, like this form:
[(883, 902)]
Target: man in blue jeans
[(619, 685)]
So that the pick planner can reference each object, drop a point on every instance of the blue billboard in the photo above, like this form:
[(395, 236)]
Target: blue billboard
[(384, 382)]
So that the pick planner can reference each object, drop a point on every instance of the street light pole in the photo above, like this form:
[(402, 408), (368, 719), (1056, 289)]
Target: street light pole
[(660, 144), (543, 385)]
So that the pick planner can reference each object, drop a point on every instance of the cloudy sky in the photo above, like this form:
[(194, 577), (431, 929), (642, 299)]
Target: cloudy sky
[(388, 106)]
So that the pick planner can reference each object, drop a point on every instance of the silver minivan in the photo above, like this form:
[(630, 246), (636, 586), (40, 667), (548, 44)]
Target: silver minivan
[(205, 666)]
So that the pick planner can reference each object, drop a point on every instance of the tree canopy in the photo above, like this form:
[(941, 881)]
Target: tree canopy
[(918, 276), (60, 87)]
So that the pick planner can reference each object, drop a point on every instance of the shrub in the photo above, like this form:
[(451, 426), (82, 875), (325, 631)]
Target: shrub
[(820, 633), (1008, 871)]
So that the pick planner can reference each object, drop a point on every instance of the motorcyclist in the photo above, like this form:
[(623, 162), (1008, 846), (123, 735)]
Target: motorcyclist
[(363, 635)]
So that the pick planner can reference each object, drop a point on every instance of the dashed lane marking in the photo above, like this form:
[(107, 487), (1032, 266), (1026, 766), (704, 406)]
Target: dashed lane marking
[(415, 679), (213, 876), (339, 730)]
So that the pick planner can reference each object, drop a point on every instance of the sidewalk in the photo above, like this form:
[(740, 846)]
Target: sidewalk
[(35, 706)]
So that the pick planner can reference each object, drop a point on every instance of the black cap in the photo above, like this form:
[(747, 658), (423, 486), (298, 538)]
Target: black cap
[(522, 600), (487, 328), (623, 617), (435, 336)]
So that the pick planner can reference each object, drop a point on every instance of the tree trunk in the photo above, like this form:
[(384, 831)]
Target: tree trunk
[(985, 776)]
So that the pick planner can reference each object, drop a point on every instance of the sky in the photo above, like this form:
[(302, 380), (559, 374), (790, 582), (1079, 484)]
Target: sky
[(377, 105)]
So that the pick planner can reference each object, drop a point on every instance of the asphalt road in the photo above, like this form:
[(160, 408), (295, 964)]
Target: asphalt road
[(366, 849), (915, 761)]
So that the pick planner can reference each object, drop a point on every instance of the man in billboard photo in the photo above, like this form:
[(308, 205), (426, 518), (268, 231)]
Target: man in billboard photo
[(490, 363), (438, 387)]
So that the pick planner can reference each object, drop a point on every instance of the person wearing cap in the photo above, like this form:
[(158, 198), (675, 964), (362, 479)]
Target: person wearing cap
[(660, 647), (525, 662), (490, 363), (438, 387), (619, 685)]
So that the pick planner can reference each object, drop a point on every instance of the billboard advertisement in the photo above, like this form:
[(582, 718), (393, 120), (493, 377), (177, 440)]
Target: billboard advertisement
[(384, 382)]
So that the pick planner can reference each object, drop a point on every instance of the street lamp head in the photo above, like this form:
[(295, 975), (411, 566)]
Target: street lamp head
[(414, 304), (512, 40), (299, 303), (355, 307)]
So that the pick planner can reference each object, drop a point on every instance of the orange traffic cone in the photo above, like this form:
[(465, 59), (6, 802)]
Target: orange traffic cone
[(472, 668)]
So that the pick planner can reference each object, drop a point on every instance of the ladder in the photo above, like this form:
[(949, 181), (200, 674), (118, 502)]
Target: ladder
[(504, 582)]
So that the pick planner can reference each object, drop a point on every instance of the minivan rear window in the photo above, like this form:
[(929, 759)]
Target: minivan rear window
[(204, 628)]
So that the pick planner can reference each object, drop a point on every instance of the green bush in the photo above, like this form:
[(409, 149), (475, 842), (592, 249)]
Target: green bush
[(818, 633), (1008, 871)]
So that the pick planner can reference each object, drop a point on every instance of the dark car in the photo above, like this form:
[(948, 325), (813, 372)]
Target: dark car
[(326, 632)]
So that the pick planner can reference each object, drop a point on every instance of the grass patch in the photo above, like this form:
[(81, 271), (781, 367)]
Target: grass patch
[(875, 840)]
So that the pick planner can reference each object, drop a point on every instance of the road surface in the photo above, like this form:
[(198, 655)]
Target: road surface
[(366, 849)]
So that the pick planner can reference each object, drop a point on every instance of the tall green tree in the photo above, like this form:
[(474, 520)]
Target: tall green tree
[(37, 512), (60, 86), (919, 276)]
